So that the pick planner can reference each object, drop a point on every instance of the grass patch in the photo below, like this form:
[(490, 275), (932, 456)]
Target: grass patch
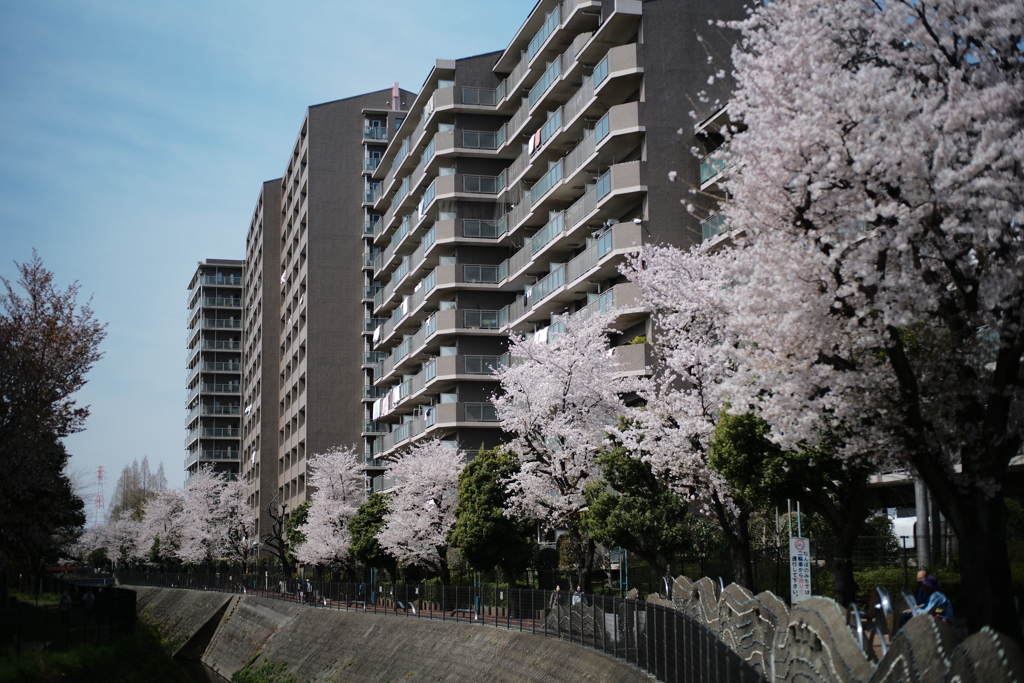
[(268, 671), (137, 658)]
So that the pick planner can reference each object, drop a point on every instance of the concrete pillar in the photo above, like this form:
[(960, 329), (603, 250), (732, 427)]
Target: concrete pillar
[(922, 539)]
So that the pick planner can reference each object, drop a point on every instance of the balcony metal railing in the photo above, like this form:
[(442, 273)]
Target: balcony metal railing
[(218, 433), (220, 410), (371, 163), (371, 427), (375, 133), (483, 229), (373, 392), (373, 357), (220, 345), (476, 139), (219, 367), (483, 96), (551, 74)]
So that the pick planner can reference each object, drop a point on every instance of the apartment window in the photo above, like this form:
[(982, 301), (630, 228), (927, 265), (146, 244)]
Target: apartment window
[(481, 320), (481, 183), (486, 274), (481, 412), (476, 139), (482, 228)]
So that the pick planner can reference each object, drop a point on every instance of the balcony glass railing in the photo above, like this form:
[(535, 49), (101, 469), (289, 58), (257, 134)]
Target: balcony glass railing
[(482, 274), (373, 392), (219, 432), (428, 239), (603, 127), (220, 345), (601, 71), (219, 455), (370, 227), (373, 357), (484, 365), (370, 324), (220, 388), (481, 320), (483, 229), (551, 74), (370, 291), (222, 302), (428, 196), (483, 184), (481, 412), (403, 190), (369, 426), (476, 139), (371, 163), (604, 185), (550, 24), (222, 323), (220, 367), (712, 165), (402, 152), (548, 181), (483, 96), (428, 153), (375, 133), (226, 280), (551, 126), (219, 410), (550, 231), (712, 226), (544, 287)]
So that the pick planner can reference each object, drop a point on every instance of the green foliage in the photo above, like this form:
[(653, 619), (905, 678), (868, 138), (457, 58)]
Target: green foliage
[(268, 671), (98, 558), (296, 519), (487, 537), (364, 527), (639, 339), (138, 657), (47, 345), (633, 508)]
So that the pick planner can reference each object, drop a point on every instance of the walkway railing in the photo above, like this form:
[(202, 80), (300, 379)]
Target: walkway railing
[(657, 639)]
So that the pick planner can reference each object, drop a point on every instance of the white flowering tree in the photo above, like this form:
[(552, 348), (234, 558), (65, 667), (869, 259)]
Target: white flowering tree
[(422, 509), (197, 520), (338, 484), (235, 521), (684, 399), (159, 535), (878, 185), (559, 399)]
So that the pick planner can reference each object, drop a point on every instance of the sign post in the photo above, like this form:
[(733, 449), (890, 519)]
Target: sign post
[(799, 569)]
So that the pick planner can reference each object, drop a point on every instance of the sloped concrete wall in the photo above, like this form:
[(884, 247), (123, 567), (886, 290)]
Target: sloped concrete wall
[(327, 645), (178, 614)]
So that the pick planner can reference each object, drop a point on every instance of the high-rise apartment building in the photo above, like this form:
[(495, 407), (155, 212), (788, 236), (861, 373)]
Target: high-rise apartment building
[(214, 367), (307, 279), (518, 186)]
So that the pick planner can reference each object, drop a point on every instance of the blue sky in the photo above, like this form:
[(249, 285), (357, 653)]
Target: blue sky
[(133, 140)]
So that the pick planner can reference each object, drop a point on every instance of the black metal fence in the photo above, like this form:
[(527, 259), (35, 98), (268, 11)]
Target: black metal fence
[(659, 640)]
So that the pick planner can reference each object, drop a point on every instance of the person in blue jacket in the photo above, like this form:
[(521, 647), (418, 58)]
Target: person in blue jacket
[(937, 604)]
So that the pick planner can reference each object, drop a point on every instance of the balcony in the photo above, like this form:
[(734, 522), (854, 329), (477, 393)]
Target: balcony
[(370, 164), (218, 433), (219, 410), (634, 359), (220, 345), (220, 302), (221, 323), (432, 418), (220, 367), (221, 280), (375, 134), (371, 427), (712, 167), (443, 369), (712, 226)]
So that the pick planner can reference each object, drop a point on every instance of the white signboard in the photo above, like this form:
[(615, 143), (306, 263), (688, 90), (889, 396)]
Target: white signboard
[(799, 569)]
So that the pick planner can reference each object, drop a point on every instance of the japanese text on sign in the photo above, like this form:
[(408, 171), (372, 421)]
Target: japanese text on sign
[(799, 569)]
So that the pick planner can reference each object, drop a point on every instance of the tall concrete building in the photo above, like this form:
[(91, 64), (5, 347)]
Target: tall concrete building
[(214, 367), (307, 280), (518, 186)]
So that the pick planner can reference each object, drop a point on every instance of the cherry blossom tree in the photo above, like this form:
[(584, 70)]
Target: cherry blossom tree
[(339, 489), (422, 509), (197, 519), (236, 525), (559, 399), (683, 401), (159, 528), (878, 185)]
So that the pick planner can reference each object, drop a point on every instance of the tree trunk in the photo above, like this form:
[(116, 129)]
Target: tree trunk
[(980, 525), (442, 565), (737, 533)]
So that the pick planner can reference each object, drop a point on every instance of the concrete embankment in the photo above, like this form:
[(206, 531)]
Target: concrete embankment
[(324, 645)]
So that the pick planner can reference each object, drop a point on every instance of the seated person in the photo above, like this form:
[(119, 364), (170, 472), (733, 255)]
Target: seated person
[(938, 605)]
